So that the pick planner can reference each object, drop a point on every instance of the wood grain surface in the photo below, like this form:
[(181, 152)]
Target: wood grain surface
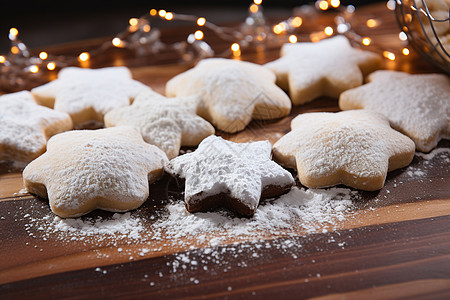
[(395, 244)]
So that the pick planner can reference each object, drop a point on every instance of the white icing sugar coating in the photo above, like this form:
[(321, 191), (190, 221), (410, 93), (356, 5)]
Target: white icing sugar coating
[(356, 148), (83, 170), (88, 94), (231, 92), (416, 105), (25, 126), (242, 170), (167, 123), (325, 68)]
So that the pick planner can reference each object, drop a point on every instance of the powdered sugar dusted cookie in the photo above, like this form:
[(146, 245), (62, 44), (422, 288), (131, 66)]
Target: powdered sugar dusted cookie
[(231, 175), (88, 94), (416, 105), (356, 148), (326, 68), (168, 123), (25, 126), (231, 92), (107, 169)]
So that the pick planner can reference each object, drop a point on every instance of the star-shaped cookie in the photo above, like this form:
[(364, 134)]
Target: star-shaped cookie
[(25, 126), (167, 123), (221, 173), (83, 170), (356, 148), (325, 68), (231, 92), (416, 105), (88, 94)]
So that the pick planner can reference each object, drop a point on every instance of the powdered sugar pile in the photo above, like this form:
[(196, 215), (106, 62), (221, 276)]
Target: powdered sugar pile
[(300, 210), (120, 226), (310, 210)]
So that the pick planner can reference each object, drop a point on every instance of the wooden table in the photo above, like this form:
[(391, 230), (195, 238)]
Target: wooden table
[(395, 243)]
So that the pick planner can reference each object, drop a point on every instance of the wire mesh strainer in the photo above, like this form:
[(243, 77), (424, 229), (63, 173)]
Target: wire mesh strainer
[(427, 31)]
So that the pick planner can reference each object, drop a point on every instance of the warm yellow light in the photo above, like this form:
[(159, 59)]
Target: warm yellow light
[(15, 50), (168, 16), (13, 31), (389, 55), (254, 8), (335, 3), (162, 13), (201, 21), (153, 12), (235, 47), (84, 56), (279, 28), (257, 2), (371, 23), (2, 59), (43, 55), (408, 18), (402, 36), (116, 42), (146, 28), (390, 5), (323, 5), (292, 39), (366, 41), (133, 21), (296, 22), (51, 66), (34, 69), (198, 35), (405, 51), (328, 30)]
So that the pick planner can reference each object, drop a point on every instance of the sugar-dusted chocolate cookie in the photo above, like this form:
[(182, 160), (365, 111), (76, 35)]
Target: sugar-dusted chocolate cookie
[(83, 170), (221, 173), (356, 148), (25, 126), (88, 94), (416, 105), (168, 123), (325, 68), (231, 92)]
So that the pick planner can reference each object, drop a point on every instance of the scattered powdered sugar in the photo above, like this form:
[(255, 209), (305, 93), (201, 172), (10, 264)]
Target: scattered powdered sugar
[(415, 173), (439, 151), (300, 210), (22, 192), (441, 154), (119, 226)]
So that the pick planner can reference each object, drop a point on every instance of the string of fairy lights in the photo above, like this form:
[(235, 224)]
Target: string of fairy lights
[(20, 66)]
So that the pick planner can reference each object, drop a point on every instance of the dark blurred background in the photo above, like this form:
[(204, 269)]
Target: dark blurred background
[(43, 23)]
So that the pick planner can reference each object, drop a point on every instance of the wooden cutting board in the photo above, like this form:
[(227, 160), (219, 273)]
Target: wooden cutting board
[(394, 243)]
